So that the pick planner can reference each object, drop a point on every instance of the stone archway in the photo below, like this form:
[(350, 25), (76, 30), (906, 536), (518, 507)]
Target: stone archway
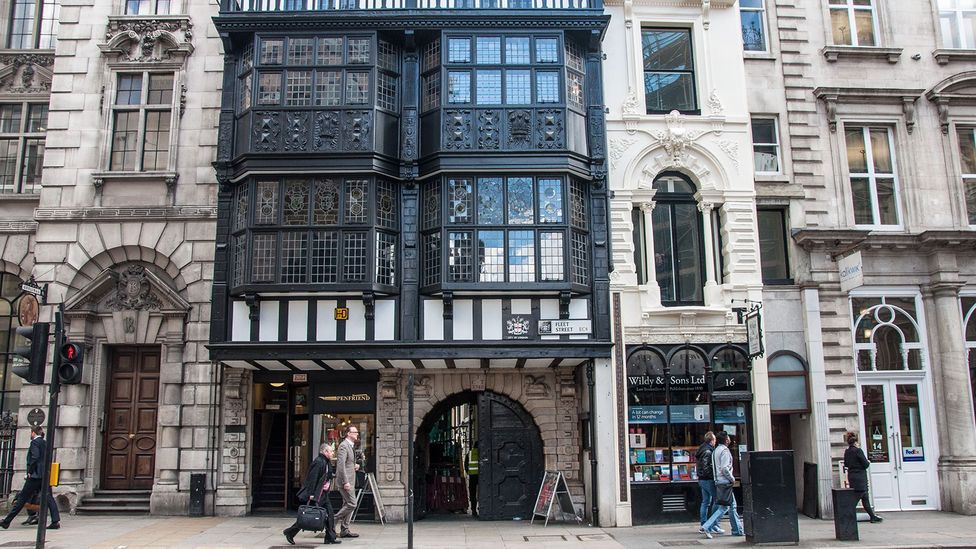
[(510, 447)]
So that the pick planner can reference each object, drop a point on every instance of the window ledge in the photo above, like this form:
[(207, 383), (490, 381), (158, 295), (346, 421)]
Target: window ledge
[(759, 56), (20, 197), (944, 55), (833, 53), (169, 178)]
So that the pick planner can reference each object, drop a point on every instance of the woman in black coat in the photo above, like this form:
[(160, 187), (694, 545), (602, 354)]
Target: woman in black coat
[(857, 473)]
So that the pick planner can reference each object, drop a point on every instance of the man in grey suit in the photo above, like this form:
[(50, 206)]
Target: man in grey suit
[(346, 468)]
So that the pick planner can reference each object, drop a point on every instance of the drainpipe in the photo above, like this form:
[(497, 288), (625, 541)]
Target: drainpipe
[(591, 383)]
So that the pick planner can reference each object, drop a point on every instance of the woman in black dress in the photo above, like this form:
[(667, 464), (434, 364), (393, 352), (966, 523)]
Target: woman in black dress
[(857, 473)]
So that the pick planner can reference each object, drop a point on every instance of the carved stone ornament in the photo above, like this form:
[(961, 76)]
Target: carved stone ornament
[(536, 386), (26, 73), (715, 103), (631, 104), (676, 139), (618, 146), (133, 291), (148, 39), (731, 148)]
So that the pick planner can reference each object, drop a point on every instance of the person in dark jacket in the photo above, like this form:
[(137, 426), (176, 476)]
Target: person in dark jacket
[(706, 478), (857, 473), (315, 491), (36, 454)]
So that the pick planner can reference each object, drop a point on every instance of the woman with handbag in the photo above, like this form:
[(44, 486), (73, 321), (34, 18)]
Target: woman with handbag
[(316, 512), (724, 498), (857, 473)]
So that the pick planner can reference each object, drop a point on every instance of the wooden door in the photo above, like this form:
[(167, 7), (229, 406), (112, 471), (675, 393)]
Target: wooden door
[(131, 404), (510, 456)]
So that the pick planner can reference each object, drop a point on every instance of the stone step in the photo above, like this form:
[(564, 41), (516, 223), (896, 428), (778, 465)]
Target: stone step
[(112, 509)]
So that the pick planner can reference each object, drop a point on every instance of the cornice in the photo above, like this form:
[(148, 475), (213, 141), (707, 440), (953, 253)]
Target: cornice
[(905, 97), (228, 22), (836, 241), (175, 213), (18, 227)]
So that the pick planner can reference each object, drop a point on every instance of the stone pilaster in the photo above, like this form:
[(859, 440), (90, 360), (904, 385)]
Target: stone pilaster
[(233, 489)]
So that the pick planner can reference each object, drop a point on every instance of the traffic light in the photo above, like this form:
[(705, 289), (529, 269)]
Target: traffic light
[(72, 358), (35, 354)]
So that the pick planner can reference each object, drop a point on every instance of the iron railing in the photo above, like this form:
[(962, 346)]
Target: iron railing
[(364, 5), (8, 439)]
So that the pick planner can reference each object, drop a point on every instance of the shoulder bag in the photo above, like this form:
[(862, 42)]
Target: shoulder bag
[(312, 518), (723, 494)]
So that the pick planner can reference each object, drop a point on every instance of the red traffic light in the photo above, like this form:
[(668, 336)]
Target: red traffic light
[(70, 352)]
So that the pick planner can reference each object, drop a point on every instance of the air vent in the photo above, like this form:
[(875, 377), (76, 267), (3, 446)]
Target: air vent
[(673, 504)]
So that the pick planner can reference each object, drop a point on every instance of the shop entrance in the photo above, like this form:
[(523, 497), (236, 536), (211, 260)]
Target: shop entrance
[(897, 437), (281, 444), (510, 460)]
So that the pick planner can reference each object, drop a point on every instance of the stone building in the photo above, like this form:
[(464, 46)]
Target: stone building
[(118, 101), (862, 123), (414, 187), (685, 251)]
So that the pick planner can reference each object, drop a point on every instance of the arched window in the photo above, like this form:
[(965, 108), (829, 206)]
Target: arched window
[(678, 246), (9, 300), (886, 334), (969, 321), (788, 384), (729, 359)]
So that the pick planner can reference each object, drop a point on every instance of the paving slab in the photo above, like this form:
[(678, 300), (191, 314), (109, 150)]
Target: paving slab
[(915, 530)]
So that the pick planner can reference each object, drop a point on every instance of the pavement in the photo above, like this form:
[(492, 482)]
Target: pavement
[(909, 530)]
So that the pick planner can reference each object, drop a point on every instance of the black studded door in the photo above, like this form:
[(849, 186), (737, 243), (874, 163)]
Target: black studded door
[(510, 452)]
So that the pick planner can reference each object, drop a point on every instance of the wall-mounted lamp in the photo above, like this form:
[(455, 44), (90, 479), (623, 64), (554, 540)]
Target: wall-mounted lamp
[(277, 385)]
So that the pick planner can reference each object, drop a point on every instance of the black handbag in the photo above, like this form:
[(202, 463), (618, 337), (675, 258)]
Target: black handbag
[(723, 495), (312, 518)]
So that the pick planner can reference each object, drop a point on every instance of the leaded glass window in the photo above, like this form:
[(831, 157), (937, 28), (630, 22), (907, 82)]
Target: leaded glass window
[(511, 229), (282, 232), (300, 51), (504, 70)]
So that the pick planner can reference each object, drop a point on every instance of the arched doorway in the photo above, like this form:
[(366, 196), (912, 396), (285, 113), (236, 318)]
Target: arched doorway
[(510, 457)]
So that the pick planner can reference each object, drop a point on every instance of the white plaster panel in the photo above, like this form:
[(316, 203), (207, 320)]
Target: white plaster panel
[(240, 324), (356, 325), (385, 320), (467, 363), (298, 321), (435, 364), (240, 364), (491, 319), (268, 321), (325, 322), (578, 308), (538, 362), (305, 365), (339, 365), (549, 310), (503, 362), (402, 364), (433, 319), (463, 319), (273, 365), (371, 364), (521, 306)]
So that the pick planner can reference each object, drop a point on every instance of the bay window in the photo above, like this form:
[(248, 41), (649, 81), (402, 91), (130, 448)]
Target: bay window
[(311, 231), (505, 230)]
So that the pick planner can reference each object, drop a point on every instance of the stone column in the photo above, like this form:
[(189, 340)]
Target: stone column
[(391, 443), (650, 264), (233, 489), (957, 463), (712, 295), (810, 298)]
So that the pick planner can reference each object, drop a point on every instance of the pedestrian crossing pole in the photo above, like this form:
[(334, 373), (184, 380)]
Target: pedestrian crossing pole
[(52, 423)]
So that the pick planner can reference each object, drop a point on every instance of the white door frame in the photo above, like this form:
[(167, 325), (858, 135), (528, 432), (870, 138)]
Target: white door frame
[(896, 493)]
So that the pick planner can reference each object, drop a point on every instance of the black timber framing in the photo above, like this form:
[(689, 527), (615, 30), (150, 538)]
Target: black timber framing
[(586, 26), (403, 350)]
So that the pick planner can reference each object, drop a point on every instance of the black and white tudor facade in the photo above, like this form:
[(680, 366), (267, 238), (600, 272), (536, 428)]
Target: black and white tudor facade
[(411, 187)]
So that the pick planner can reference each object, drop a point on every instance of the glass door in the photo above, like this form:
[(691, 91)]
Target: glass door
[(894, 422)]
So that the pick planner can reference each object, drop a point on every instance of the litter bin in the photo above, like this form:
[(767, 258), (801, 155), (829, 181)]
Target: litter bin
[(845, 514), (769, 497)]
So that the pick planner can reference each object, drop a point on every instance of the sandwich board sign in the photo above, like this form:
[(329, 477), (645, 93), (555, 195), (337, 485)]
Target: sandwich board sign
[(553, 488)]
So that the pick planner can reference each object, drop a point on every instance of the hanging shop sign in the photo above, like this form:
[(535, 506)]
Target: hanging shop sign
[(565, 327), (851, 269), (754, 333), (28, 310)]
